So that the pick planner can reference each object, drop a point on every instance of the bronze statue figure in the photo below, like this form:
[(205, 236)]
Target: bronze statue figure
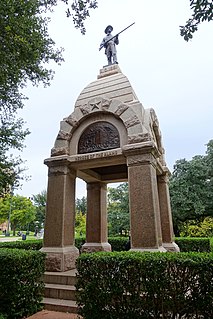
[(109, 43)]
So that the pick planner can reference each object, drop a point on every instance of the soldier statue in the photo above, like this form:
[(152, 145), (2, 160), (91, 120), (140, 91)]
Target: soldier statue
[(109, 43)]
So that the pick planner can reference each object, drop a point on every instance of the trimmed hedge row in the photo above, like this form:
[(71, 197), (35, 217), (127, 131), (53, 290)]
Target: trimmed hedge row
[(195, 244), (21, 289), (34, 244), (186, 244), (149, 285)]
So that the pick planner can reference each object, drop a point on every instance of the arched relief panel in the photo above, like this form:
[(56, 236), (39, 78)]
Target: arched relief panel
[(97, 137), (101, 122)]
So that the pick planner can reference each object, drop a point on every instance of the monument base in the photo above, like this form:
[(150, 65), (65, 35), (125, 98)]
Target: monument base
[(95, 247), (60, 258), (172, 247)]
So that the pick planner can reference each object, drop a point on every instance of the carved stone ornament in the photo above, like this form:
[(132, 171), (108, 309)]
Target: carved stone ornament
[(63, 136), (71, 120), (121, 109), (132, 121), (97, 137), (138, 138), (59, 151)]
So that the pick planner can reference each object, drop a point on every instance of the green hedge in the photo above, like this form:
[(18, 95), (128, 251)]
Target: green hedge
[(21, 290), (186, 244), (149, 285), (195, 244), (34, 244)]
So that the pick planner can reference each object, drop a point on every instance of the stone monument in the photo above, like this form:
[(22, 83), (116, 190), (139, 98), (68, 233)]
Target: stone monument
[(109, 137)]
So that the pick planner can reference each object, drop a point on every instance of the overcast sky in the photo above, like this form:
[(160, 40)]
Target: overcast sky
[(168, 74)]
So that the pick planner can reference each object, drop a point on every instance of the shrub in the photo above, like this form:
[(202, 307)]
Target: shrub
[(193, 228), (21, 289), (187, 244), (149, 285), (35, 244)]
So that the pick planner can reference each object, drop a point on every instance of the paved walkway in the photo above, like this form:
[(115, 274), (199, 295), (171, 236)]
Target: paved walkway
[(46, 314)]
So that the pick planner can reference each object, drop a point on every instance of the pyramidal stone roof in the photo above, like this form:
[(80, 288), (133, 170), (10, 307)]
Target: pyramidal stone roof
[(111, 83)]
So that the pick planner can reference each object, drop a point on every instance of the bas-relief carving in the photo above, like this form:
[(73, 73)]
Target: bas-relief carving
[(62, 135), (138, 138), (132, 121), (59, 151), (71, 120), (96, 104), (98, 137), (121, 109)]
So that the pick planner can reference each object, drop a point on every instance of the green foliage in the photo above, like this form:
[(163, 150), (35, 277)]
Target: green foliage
[(81, 205), (21, 288), (193, 244), (80, 12), (20, 208), (198, 229), (39, 202), (118, 243), (202, 11), (25, 48), (80, 224), (148, 285), (118, 210), (191, 189), (35, 244)]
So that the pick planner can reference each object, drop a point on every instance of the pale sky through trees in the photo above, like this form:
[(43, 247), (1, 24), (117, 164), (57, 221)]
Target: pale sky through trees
[(167, 73)]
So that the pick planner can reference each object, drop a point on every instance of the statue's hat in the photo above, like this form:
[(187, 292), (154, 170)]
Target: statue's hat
[(108, 28)]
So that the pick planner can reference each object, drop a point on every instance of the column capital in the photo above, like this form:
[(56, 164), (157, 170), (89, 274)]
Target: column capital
[(141, 148), (141, 159), (96, 185)]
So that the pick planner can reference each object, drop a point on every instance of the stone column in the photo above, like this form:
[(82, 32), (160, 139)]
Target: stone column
[(60, 219), (165, 214), (96, 224), (143, 199)]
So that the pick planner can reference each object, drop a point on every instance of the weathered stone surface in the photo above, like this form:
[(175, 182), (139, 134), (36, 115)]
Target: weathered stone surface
[(109, 137)]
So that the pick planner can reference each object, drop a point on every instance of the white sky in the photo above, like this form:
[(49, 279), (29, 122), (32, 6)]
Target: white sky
[(167, 73)]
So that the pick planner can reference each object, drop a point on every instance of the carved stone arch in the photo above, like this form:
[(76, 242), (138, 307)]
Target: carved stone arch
[(98, 105)]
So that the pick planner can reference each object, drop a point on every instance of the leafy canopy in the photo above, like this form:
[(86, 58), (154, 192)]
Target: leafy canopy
[(19, 209), (25, 49), (202, 11), (191, 188)]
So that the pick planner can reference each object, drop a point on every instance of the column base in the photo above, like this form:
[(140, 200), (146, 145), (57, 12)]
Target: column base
[(159, 249), (95, 247), (60, 258), (172, 247)]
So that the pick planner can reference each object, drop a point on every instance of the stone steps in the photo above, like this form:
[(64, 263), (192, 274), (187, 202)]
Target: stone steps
[(60, 305), (60, 291)]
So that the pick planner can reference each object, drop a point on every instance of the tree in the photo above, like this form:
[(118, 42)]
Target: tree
[(81, 205), (40, 201), (25, 48), (18, 209), (118, 210), (191, 189), (80, 12), (202, 11), (80, 223)]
